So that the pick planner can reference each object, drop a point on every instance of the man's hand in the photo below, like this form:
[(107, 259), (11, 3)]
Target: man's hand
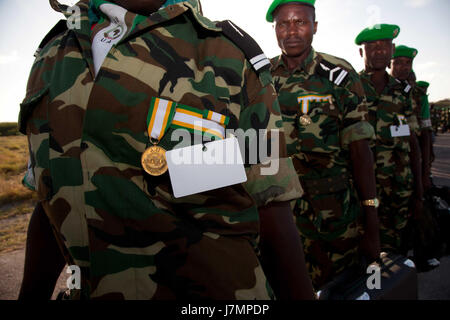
[(282, 254), (370, 245)]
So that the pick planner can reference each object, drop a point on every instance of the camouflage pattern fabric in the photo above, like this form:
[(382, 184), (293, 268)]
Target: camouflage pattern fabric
[(393, 168), (130, 236), (329, 215), (421, 108)]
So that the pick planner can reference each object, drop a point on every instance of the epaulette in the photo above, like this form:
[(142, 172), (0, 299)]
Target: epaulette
[(335, 74), (59, 28), (247, 44)]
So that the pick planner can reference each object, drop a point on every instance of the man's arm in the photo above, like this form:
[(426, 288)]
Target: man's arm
[(416, 168), (43, 259), (364, 176), (425, 146), (283, 259)]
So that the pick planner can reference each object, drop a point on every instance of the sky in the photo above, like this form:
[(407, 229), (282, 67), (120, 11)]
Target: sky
[(424, 25)]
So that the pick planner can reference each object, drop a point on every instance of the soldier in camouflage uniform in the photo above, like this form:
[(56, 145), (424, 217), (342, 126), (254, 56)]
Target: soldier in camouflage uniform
[(85, 115), (396, 151), (325, 118), (402, 69)]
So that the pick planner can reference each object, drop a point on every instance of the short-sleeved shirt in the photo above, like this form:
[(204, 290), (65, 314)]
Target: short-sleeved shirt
[(125, 229), (329, 91)]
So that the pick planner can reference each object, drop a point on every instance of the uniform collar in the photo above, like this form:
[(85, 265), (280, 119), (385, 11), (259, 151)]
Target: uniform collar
[(308, 65), (176, 5), (89, 15), (391, 84)]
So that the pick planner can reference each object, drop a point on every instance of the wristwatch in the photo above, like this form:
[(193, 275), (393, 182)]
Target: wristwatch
[(371, 203)]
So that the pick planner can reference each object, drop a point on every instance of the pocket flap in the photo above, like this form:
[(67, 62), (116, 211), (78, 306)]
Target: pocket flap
[(27, 106)]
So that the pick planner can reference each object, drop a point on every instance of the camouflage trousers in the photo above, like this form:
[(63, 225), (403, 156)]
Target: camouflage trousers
[(393, 214), (394, 193), (330, 226)]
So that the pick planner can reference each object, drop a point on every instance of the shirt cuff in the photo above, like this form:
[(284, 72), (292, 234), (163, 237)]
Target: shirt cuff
[(425, 124), (355, 132), (413, 124), (276, 182)]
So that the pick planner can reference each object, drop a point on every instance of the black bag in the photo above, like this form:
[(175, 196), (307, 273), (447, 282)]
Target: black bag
[(398, 281), (442, 192), (441, 212), (426, 236)]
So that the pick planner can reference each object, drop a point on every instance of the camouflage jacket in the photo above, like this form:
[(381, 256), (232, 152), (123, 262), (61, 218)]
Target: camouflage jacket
[(421, 107), (385, 110), (329, 90), (127, 232)]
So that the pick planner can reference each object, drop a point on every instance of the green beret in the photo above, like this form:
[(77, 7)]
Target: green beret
[(378, 32), (276, 3), (422, 84), (404, 51)]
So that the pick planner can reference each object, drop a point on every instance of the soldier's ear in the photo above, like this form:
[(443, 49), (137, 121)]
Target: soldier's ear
[(361, 53), (315, 26)]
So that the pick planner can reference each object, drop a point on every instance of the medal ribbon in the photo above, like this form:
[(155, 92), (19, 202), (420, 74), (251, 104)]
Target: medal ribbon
[(164, 114), (217, 117), (306, 100), (401, 119), (159, 117), (304, 103), (193, 120)]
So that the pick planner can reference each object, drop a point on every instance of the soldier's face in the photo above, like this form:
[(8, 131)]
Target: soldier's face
[(295, 28), (401, 67), (143, 7), (378, 54)]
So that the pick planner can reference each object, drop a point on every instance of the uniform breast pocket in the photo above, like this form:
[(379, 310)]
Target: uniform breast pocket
[(33, 121), (319, 131)]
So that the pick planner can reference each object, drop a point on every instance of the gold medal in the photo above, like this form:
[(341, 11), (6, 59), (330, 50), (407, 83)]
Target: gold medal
[(305, 120), (153, 161)]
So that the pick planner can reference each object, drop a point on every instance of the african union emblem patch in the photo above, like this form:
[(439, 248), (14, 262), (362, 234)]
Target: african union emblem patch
[(114, 33)]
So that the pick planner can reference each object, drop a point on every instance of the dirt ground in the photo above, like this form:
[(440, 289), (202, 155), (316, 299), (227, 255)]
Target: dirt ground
[(433, 285)]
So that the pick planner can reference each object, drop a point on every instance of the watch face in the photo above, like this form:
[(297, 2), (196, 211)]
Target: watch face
[(376, 202), (372, 203)]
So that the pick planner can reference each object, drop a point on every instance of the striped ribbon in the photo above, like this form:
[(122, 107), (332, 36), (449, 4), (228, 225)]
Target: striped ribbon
[(194, 120), (164, 114), (401, 119), (305, 100), (159, 117), (217, 117)]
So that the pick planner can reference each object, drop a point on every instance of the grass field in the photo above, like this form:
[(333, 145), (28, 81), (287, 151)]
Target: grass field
[(16, 201), (9, 129)]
